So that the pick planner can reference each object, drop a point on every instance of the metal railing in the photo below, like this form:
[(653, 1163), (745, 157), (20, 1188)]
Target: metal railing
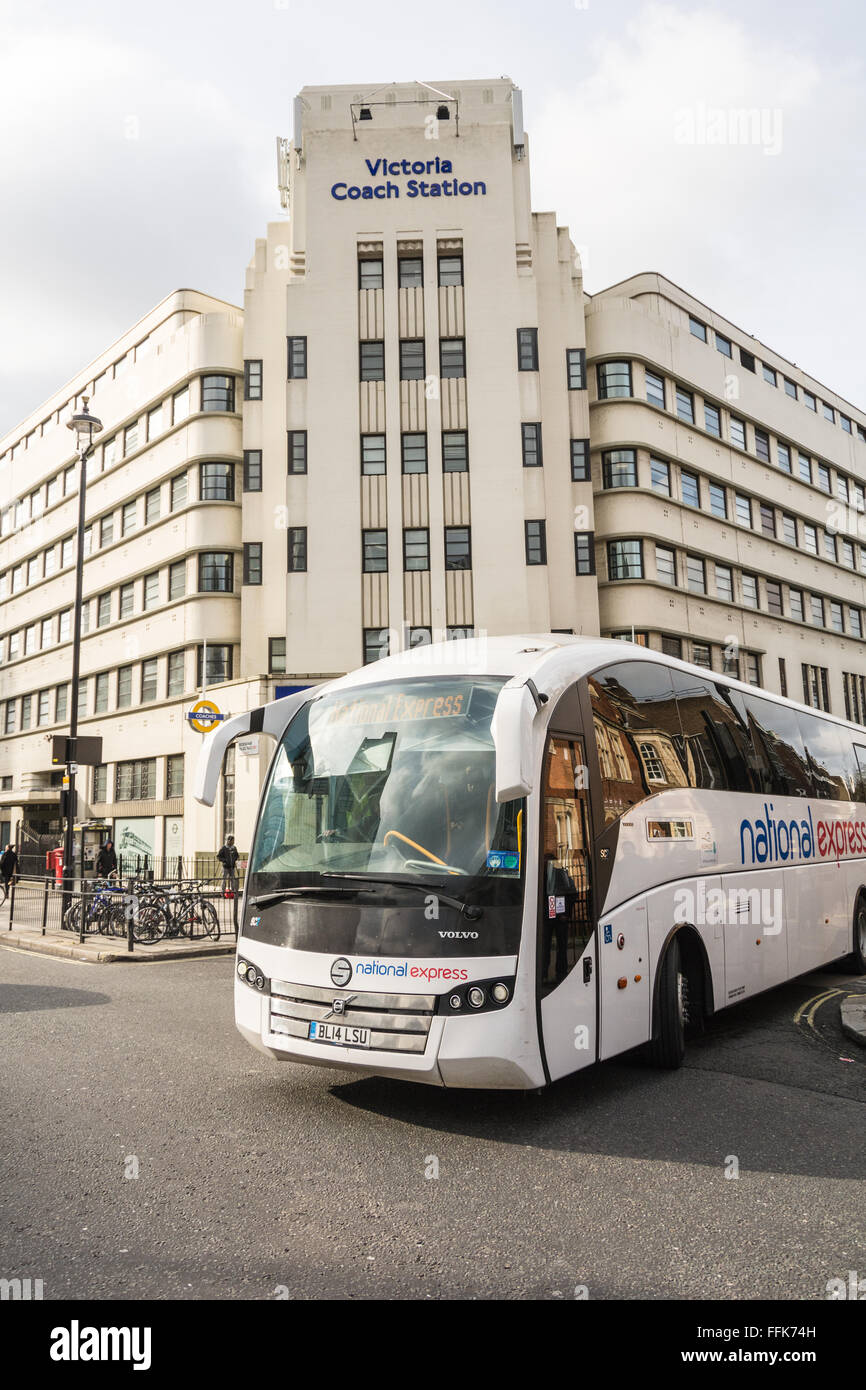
[(141, 911)]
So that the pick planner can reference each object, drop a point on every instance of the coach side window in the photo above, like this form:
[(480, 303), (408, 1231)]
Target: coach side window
[(860, 762), (776, 731), (831, 758), (638, 734)]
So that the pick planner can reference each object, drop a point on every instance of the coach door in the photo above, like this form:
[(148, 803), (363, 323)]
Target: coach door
[(566, 924)]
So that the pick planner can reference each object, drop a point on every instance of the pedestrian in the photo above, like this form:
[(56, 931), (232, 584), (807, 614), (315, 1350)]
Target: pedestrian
[(106, 861), (228, 857), (8, 868)]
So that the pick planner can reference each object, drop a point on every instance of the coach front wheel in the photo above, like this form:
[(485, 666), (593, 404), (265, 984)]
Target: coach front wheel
[(668, 1045)]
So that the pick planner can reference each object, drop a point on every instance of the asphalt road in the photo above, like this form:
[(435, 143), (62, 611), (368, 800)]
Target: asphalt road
[(257, 1179)]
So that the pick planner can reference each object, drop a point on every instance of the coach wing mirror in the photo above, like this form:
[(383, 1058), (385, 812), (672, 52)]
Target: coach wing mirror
[(513, 740), (271, 719)]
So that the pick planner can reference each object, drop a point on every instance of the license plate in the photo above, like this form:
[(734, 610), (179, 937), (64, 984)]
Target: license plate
[(343, 1033)]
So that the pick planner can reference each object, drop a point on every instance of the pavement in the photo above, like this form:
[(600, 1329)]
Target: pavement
[(103, 950), (853, 1017)]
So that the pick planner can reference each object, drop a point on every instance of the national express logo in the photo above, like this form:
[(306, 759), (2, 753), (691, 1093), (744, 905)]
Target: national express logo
[(768, 839)]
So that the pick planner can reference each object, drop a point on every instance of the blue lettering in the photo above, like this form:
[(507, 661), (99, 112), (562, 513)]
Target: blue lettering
[(339, 196), (479, 188), (374, 168), (744, 826), (412, 188)]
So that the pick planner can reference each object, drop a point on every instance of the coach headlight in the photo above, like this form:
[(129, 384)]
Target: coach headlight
[(500, 993), (476, 997), (252, 975)]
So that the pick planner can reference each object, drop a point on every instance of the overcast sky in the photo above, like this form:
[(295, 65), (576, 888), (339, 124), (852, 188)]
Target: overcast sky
[(137, 152)]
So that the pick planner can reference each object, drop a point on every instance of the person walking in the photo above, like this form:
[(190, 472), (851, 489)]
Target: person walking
[(8, 870), (228, 857), (106, 861)]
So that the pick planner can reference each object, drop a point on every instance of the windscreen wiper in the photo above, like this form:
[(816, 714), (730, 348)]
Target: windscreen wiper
[(471, 911), (300, 892)]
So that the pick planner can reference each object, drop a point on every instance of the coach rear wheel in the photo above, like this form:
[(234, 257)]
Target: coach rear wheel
[(858, 955), (668, 1046)]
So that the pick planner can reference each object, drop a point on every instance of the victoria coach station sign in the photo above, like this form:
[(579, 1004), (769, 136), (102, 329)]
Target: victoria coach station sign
[(386, 170)]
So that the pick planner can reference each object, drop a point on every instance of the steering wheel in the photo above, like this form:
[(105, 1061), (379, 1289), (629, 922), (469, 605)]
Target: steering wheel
[(402, 840)]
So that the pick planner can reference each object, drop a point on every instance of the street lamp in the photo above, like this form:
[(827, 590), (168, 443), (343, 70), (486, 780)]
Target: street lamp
[(85, 426)]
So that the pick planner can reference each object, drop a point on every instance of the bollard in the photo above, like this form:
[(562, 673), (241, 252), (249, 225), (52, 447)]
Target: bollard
[(44, 903), (11, 903), (129, 938), (81, 916)]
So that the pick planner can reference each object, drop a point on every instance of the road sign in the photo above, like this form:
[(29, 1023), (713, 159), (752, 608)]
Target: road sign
[(204, 716), (87, 750)]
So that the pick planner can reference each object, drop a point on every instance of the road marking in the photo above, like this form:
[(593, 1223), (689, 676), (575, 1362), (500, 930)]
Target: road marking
[(813, 1005)]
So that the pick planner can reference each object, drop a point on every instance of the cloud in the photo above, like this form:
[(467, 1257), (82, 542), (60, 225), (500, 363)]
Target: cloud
[(726, 160)]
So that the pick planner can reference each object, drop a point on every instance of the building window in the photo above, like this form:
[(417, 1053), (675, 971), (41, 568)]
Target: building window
[(174, 775), (752, 664), (215, 572), (527, 349), (61, 702), (46, 632), (723, 345), (810, 538), (9, 718), (774, 598), (712, 420), (809, 401), (845, 423), (277, 655), (685, 405), (27, 707), (154, 422), (217, 482), (179, 491), (855, 697), (805, 467), (103, 610), (149, 675), (416, 549), (151, 590), (718, 501), (136, 780), (106, 532), (127, 599), (419, 637), (535, 542), (837, 622), (625, 559), (458, 548), (253, 380), (413, 452), (450, 270), (619, 468), (830, 546), (412, 359), (124, 687), (673, 646), (66, 553), (696, 577), (817, 606), (452, 357), (816, 687), (737, 430), (219, 664), (130, 439), (666, 565), (374, 549), (580, 471), (725, 582), (129, 517), (697, 329), (655, 389), (702, 655), (100, 782), (769, 375), (762, 445), (410, 272), (217, 393), (296, 542), (841, 487), (455, 451), (795, 600), (660, 476), (783, 455), (180, 405), (376, 644), (296, 354), (252, 562), (530, 435), (783, 677), (690, 488), (297, 451), (614, 379), (372, 454), (176, 673), (768, 520), (372, 357), (575, 367), (371, 275), (747, 360), (829, 413), (790, 388), (584, 552), (750, 590), (823, 477), (252, 470)]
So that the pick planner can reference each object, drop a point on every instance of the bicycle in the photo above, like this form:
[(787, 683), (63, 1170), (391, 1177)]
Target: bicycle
[(104, 915), (188, 908)]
